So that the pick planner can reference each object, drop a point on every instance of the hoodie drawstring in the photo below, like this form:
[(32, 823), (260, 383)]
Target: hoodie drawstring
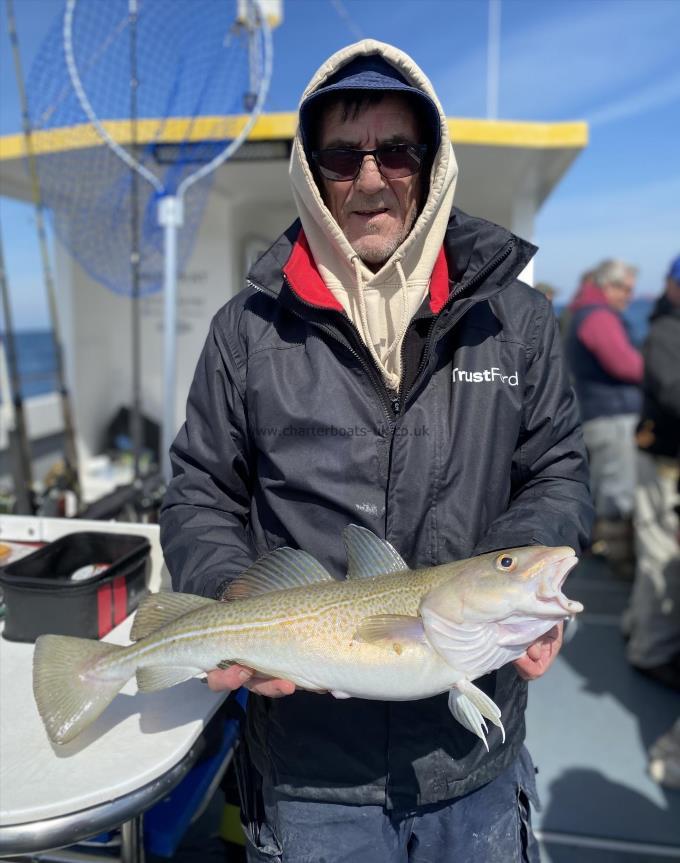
[(403, 325)]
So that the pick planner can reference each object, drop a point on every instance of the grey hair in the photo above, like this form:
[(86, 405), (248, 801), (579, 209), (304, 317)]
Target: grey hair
[(613, 272)]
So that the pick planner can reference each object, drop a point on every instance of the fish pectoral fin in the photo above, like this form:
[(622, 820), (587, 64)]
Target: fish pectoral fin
[(470, 705), (393, 629), (159, 609), (277, 570), (155, 677), (368, 555)]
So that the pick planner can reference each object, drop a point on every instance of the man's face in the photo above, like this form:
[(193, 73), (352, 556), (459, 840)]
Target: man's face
[(374, 213), (619, 294)]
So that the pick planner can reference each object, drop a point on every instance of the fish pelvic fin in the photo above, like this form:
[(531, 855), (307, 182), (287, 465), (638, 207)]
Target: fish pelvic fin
[(68, 692), (158, 609), (470, 706)]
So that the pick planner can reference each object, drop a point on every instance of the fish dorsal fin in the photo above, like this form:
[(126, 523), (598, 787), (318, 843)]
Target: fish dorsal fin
[(159, 609), (368, 555), (394, 629), (277, 570)]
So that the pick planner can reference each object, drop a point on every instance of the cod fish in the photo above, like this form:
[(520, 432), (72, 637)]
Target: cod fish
[(386, 632)]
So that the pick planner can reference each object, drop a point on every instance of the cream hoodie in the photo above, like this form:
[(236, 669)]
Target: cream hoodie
[(380, 304)]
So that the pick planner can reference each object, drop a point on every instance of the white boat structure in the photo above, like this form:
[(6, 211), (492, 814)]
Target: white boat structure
[(507, 171)]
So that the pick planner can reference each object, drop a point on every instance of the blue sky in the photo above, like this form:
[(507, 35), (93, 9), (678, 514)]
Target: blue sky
[(613, 63)]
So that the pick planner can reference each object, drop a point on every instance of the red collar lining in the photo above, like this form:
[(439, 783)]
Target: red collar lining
[(304, 278), (439, 283), (306, 283)]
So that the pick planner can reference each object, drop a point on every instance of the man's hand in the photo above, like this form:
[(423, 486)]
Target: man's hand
[(237, 675), (541, 654)]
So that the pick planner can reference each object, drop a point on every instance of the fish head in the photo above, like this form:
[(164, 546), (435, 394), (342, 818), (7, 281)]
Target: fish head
[(489, 587), (531, 580), (510, 597)]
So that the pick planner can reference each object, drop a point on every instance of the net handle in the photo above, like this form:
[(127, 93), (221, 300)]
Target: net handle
[(121, 152)]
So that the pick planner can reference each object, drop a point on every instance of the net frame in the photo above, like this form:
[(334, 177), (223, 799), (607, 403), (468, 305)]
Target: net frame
[(170, 205)]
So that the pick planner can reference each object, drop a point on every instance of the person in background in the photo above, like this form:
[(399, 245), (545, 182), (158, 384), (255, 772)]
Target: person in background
[(567, 312), (607, 372), (652, 621), (369, 315), (664, 754), (546, 289)]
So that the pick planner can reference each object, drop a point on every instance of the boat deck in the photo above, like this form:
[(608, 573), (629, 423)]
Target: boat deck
[(590, 723)]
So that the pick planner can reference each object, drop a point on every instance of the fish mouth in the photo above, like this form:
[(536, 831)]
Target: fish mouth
[(552, 581)]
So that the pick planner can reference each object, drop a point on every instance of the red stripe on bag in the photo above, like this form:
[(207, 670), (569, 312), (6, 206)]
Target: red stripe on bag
[(119, 600), (104, 610)]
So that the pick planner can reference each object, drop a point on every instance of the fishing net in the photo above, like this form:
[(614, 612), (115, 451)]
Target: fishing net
[(166, 87)]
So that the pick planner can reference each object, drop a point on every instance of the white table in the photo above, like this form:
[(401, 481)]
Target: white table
[(140, 748)]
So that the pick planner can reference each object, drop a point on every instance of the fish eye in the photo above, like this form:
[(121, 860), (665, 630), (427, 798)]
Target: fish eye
[(506, 563)]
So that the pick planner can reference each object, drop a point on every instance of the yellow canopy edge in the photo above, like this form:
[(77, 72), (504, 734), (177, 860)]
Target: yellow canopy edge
[(277, 127)]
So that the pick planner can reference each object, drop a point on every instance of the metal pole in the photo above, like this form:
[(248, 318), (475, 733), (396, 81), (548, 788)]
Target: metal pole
[(132, 840), (170, 216), (493, 59), (136, 408), (70, 451), (19, 444)]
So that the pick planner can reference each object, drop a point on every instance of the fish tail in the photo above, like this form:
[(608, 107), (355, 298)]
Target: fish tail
[(68, 691)]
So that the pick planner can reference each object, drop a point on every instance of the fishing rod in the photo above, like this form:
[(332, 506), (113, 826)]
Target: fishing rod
[(20, 449), (70, 451)]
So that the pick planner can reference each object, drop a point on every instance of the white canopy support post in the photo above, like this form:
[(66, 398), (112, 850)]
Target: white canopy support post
[(493, 52), (170, 217)]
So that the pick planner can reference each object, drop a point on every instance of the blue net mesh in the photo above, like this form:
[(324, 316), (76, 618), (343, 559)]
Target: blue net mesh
[(196, 65)]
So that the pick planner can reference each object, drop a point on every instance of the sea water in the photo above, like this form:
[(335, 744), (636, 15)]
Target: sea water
[(36, 358)]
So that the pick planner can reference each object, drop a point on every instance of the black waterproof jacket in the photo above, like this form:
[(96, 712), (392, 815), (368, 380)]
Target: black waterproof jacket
[(659, 427), (291, 435)]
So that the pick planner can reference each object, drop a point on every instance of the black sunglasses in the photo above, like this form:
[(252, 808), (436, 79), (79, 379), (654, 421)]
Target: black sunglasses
[(394, 161)]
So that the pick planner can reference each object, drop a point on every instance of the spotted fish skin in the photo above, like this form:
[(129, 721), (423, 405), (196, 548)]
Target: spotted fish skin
[(387, 632)]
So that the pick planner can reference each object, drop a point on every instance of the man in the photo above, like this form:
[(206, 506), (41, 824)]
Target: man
[(664, 754), (340, 388), (653, 620), (607, 372)]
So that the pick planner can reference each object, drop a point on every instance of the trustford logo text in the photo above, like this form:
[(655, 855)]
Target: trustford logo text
[(488, 375)]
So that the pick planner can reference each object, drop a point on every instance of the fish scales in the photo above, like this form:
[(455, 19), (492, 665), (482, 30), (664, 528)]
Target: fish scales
[(279, 633), (387, 632)]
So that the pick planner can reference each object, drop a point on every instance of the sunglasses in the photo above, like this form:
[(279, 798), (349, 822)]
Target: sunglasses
[(394, 161)]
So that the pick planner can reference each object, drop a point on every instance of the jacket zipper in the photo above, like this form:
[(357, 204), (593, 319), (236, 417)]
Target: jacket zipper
[(392, 405)]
